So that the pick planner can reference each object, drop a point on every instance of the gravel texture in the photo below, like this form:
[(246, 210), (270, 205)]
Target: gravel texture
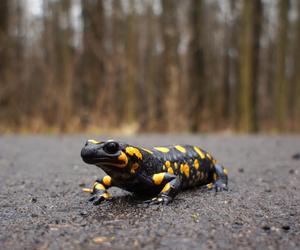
[(42, 205)]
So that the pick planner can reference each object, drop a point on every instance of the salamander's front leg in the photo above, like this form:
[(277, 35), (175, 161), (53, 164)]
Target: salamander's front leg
[(220, 179), (99, 191), (170, 187)]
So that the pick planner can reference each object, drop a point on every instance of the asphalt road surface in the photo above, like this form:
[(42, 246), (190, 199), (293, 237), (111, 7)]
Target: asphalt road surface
[(42, 205)]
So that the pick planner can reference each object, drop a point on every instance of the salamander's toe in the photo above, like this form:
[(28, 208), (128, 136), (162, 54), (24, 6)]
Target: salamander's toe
[(218, 186), (97, 198), (161, 199)]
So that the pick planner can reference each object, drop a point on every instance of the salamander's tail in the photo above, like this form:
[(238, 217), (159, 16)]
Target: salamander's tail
[(220, 179)]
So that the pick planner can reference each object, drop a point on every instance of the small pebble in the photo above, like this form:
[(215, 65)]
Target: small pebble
[(102, 239), (135, 243), (83, 213), (241, 170), (239, 223), (286, 227), (296, 156), (292, 171), (195, 216), (266, 227), (33, 200)]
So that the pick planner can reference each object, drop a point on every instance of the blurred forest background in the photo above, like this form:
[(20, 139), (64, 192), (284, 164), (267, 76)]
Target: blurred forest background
[(162, 65)]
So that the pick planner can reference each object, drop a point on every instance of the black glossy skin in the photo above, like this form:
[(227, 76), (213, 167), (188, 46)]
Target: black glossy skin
[(161, 172)]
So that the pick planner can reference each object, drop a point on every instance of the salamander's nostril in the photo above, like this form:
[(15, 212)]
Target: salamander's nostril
[(86, 143)]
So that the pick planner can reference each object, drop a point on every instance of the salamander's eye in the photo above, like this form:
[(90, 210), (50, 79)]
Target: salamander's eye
[(111, 147)]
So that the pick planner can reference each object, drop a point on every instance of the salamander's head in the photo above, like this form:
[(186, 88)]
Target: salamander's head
[(112, 156), (109, 153)]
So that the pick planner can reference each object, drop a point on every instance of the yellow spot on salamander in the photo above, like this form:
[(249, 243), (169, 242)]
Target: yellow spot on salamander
[(215, 177), (130, 151), (87, 190), (196, 164), (170, 171), (225, 171), (99, 186), (134, 151), (147, 150), (209, 156), (166, 188), (134, 167), (168, 164), (93, 141), (123, 157), (162, 149), (106, 195), (107, 180), (181, 149), (163, 167), (185, 169), (158, 178), (175, 165), (200, 153), (182, 168), (210, 185)]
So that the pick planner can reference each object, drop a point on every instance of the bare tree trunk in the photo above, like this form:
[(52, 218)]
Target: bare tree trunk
[(4, 35), (47, 110), (245, 105), (280, 79), (197, 86), (257, 19), (171, 66), (249, 53), (93, 93), (296, 78), (67, 66), (12, 63), (228, 95), (130, 81), (117, 62), (148, 72)]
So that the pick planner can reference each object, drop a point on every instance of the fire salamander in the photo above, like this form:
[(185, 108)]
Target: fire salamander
[(159, 172)]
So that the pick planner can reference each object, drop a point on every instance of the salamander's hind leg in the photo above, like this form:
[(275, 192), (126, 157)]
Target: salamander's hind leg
[(220, 179), (169, 191)]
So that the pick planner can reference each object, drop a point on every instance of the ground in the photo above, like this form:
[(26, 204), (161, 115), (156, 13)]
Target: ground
[(42, 205)]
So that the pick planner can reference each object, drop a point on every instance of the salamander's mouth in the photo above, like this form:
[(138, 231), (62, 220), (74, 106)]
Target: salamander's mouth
[(99, 160)]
